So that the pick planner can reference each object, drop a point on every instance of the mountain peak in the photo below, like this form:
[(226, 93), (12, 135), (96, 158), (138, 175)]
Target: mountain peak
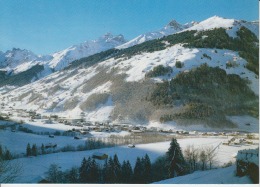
[(15, 57), (119, 38), (109, 37), (213, 22), (62, 58), (174, 24)]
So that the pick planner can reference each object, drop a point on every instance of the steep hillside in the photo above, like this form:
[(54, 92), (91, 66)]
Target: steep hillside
[(191, 77), (204, 94)]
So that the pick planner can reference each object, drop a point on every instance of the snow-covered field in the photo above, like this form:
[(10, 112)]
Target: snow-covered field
[(35, 167), (216, 176), (16, 142), (240, 121)]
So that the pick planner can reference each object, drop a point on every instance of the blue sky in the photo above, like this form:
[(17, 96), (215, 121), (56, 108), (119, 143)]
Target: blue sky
[(47, 26)]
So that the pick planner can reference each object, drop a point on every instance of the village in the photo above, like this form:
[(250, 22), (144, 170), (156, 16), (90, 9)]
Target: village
[(53, 136), (80, 128)]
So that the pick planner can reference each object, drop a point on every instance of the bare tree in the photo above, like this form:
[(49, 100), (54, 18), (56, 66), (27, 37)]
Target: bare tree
[(211, 155), (188, 157), (203, 159), (9, 170), (195, 157), (191, 156)]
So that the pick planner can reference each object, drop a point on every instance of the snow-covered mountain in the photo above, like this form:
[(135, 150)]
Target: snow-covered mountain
[(20, 60), (231, 25), (62, 58), (12, 58), (116, 87), (171, 28)]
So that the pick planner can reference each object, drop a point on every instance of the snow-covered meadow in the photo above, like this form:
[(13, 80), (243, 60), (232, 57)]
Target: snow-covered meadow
[(34, 168), (216, 176)]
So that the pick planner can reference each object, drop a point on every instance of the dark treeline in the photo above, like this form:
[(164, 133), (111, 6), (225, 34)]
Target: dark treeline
[(159, 70), (89, 144), (110, 171), (5, 154), (170, 165)]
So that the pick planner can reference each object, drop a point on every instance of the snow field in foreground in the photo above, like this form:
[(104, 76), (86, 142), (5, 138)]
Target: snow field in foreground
[(216, 176), (34, 168)]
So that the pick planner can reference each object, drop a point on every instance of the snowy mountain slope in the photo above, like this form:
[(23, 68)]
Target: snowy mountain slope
[(213, 22), (117, 88), (231, 25), (17, 60), (65, 92), (15, 57), (62, 58), (170, 28)]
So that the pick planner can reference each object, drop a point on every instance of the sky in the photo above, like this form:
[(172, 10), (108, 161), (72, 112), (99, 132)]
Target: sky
[(47, 26)]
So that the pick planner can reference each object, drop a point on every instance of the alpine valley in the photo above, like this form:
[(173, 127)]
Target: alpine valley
[(197, 81), (197, 73)]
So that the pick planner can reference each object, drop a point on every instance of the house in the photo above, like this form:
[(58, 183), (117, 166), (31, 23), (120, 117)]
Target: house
[(99, 156), (131, 145), (194, 132), (136, 131), (83, 132), (37, 116), (226, 143), (48, 121)]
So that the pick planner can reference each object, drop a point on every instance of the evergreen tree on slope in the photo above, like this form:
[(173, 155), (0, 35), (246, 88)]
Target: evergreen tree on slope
[(175, 160)]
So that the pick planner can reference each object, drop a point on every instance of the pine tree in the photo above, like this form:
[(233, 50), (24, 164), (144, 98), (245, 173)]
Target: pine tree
[(7, 155), (83, 171), (73, 175), (147, 172), (127, 173), (109, 173), (103, 172), (43, 149), (93, 172), (1, 151), (34, 150), (89, 160), (175, 160), (124, 174), (159, 169), (28, 150), (117, 169), (138, 171)]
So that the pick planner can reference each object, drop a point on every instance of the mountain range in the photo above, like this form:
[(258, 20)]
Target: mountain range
[(195, 73)]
